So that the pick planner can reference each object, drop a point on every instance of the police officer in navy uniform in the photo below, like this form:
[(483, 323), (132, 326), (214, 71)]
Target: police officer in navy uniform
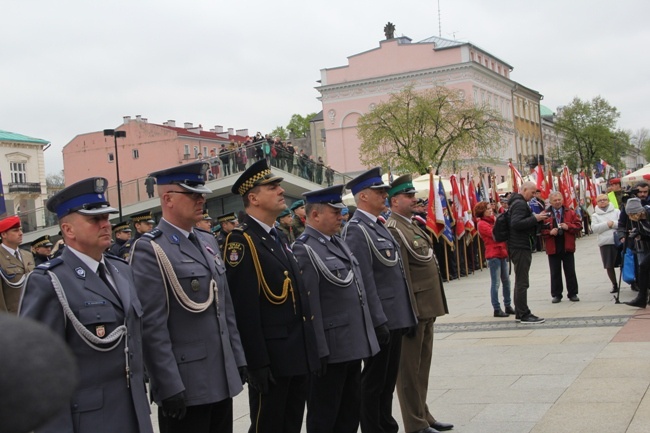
[(388, 294), (272, 306), (90, 301), (42, 249), (143, 222), (227, 222), (196, 363), (122, 234), (343, 323)]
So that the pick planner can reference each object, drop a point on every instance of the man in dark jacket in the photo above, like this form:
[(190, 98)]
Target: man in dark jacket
[(523, 227)]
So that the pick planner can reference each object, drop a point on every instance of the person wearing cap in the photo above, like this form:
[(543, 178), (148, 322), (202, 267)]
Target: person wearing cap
[(428, 300), (196, 364), (142, 223), (122, 234), (42, 249), (205, 223), (388, 296), (228, 222), (272, 306), (284, 224), (560, 230), (343, 322), (638, 235), (89, 300), (615, 193), (299, 217), (15, 264)]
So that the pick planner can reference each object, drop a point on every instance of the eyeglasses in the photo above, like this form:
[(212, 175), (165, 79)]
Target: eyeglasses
[(194, 195)]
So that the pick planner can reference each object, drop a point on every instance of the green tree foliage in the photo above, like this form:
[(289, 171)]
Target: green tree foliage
[(415, 129), (590, 134), (298, 126), (279, 131)]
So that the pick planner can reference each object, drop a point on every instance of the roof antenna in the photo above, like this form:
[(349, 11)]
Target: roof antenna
[(439, 22)]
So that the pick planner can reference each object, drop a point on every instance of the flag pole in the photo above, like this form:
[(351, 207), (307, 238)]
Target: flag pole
[(446, 262)]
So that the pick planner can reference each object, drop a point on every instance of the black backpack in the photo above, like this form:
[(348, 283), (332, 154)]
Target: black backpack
[(501, 230)]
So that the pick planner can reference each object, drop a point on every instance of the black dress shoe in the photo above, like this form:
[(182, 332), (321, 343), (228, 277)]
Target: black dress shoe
[(427, 430), (510, 310), (636, 303), (500, 313), (442, 426), (556, 299), (574, 298)]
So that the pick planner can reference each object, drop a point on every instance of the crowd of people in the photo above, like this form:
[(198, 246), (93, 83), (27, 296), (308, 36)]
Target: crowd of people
[(234, 158), (312, 307)]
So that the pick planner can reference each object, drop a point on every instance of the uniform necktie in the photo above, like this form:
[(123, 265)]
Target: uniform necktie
[(276, 237), (17, 254), (194, 240), (558, 216), (102, 273)]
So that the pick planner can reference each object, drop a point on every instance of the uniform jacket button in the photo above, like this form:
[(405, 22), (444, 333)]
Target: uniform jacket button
[(182, 357)]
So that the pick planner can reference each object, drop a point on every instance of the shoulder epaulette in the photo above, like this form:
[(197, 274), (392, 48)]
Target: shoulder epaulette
[(202, 230), (354, 220), (108, 255), (302, 238), (44, 267), (391, 223), (153, 234)]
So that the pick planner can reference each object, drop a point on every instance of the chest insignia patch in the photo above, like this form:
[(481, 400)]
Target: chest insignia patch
[(234, 253), (80, 272)]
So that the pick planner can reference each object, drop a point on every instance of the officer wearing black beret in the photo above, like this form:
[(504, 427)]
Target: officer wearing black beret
[(272, 306), (90, 301), (196, 363), (343, 323)]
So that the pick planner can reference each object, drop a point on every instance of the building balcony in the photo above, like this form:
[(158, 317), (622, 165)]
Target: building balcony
[(25, 188)]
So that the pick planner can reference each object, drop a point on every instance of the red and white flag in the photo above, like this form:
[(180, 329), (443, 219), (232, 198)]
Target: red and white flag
[(458, 207), (517, 180), (435, 215)]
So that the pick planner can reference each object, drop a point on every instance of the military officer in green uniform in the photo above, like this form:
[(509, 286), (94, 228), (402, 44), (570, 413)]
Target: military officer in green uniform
[(428, 300), (285, 225), (299, 217)]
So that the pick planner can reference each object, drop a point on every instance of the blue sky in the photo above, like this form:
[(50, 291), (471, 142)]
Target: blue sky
[(73, 66)]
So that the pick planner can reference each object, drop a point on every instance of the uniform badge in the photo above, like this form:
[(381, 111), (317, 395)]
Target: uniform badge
[(100, 331), (174, 239), (234, 253), (80, 272), (195, 285), (415, 244), (210, 250), (387, 253)]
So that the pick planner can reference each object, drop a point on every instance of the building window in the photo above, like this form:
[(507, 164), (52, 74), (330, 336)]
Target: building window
[(196, 151), (136, 153), (515, 104), (205, 151), (18, 172), (186, 151), (111, 157)]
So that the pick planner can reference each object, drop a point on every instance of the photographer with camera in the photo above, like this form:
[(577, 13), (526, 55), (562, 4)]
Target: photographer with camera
[(638, 234), (559, 231), (640, 191)]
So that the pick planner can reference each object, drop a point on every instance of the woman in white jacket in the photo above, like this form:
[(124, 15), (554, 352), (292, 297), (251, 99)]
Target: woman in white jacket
[(604, 222)]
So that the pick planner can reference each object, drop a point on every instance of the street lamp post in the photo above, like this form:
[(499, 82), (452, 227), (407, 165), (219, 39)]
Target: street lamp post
[(115, 134)]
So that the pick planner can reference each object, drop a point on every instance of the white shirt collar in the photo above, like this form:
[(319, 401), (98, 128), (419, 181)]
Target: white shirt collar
[(183, 232), (11, 251), (266, 228), (369, 215), (86, 259)]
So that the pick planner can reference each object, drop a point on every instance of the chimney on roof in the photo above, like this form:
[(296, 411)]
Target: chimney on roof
[(195, 130), (127, 119), (231, 131), (138, 118), (145, 120), (242, 132), (187, 125), (218, 129), (171, 123)]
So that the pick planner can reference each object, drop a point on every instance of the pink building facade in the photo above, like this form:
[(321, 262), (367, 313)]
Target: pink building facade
[(350, 91), (147, 147)]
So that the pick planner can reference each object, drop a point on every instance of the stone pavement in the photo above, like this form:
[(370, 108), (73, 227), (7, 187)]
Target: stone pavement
[(587, 369)]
